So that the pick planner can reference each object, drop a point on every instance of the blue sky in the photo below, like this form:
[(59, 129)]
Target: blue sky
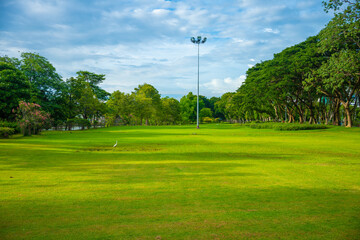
[(138, 41)]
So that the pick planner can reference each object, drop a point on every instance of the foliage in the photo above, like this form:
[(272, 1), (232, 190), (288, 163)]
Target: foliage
[(207, 119), (287, 126), (84, 97), (31, 118), (170, 111), (13, 125), (206, 112), (339, 77), (93, 81), (120, 107), (147, 104), (46, 84), (5, 132), (80, 122), (188, 105), (14, 87)]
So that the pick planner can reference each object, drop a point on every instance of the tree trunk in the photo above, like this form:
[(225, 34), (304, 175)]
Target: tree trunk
[(312, 117), (276, 112), (348, 115), (336, 112), (301, 117), (291, 117)]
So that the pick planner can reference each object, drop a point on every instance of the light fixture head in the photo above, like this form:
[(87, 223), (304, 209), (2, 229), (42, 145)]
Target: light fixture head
[(199, 38), (192, 40), (204, 40)]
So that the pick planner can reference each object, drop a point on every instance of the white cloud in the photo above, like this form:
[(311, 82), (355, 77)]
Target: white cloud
[(270, 30), (160, 12), (43, 8), (139, 41), (221, 86)]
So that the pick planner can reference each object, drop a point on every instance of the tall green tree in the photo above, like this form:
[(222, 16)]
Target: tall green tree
[(120, 107), (147, 104), (94, 80), (339, 77), (188, 105), (81, 98), (170, 111), (46, 83), (14, 87)]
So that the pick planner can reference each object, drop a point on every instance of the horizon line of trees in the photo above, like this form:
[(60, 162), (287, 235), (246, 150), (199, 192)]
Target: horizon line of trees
[(317, 80), (80, 101)]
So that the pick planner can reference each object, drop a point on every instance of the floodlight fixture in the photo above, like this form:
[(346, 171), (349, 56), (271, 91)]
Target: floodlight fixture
[(198, 41)]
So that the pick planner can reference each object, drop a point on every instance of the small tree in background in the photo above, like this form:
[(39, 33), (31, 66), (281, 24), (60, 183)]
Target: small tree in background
[(206, 115), (31, 118)]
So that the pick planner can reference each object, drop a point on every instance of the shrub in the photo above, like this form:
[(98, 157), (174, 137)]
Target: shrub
[(207, 120), (5, 132), (83, 123), (287, 126), (296, 127), (262, 125), (13, 125), (79, 122), (31, 118)]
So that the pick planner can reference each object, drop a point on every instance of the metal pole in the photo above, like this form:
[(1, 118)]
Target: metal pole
[(197, 103), (198, 41)]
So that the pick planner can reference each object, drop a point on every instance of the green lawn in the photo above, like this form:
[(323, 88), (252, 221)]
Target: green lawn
[(178, 182)]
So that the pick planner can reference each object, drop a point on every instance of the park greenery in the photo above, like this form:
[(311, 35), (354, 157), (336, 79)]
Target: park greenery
[(262, 178), (315, 81)]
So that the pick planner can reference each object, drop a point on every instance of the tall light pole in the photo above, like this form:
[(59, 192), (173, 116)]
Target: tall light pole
[(198, 41)]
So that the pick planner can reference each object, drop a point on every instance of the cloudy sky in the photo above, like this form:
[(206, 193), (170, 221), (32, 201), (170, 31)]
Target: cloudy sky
[(138, 41)]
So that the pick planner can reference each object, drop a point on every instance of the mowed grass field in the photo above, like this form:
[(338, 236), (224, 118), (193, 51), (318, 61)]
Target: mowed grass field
[(178, 182)]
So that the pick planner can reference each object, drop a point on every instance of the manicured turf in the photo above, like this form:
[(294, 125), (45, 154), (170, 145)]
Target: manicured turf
[(218, 182)]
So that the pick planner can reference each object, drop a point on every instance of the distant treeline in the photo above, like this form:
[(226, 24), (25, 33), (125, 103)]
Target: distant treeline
[(80, 101)]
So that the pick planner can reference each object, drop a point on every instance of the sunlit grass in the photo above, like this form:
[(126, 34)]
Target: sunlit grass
[(218, 182)]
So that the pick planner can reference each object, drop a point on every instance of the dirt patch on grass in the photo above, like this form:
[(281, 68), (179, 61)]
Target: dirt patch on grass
[(124, 149)]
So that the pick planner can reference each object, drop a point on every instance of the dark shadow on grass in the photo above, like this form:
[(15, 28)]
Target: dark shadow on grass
[(145, 134), (89, 161)]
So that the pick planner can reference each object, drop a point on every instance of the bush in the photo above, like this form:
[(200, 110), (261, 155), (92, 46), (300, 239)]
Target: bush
[(78, 122), (287, 126), (296, 127), (207, 120), (262, 125), (83, 123), (13, 125), (31, 118), (5, 132)]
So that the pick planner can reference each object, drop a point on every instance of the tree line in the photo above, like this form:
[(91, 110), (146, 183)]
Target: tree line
[(317, 80), (79, 100)]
